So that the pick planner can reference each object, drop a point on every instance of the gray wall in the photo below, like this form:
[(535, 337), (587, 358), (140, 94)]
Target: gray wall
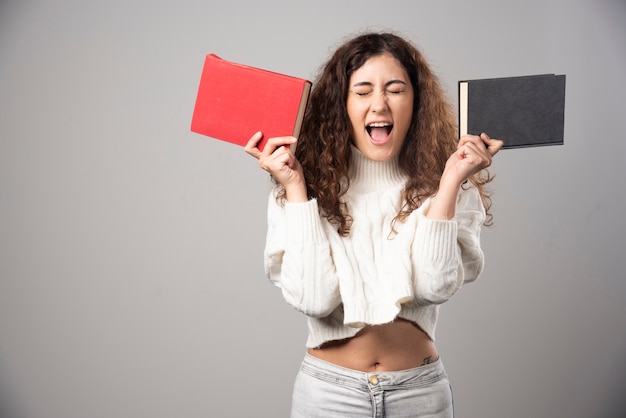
[(131, 280)]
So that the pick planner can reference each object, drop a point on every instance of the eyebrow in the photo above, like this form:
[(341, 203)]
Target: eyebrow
[(370, 84)]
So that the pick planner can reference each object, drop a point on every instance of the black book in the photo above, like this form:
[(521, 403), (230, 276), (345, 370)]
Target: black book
[(527, 111)]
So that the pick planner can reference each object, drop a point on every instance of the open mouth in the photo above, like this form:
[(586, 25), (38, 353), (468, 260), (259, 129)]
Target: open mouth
[(379, 131)]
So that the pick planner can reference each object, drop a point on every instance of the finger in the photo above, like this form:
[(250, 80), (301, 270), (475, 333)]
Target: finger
[(478, 143), (476, 155), (484, 140), (469, 138), (251, 146), (494, 145), (279, 164), (277, 142), (475, 152)]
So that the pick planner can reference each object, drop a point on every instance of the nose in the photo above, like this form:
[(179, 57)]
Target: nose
[(379, 102)]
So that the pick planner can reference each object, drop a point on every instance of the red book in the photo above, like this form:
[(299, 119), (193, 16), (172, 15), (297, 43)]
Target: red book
[(235, 101)]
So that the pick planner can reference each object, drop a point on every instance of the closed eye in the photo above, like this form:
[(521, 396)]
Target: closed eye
[(392, 87), (395, 87), (367, 93)]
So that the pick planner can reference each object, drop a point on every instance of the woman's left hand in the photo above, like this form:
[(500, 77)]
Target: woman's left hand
[(474, 153)]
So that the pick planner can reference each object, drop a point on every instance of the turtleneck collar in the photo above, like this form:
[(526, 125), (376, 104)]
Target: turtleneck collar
[(370, 176)]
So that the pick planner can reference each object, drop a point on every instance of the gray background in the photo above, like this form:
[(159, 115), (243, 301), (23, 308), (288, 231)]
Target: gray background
[(131, 280)]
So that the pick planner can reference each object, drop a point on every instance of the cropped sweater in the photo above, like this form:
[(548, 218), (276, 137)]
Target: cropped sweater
[(375, 274)]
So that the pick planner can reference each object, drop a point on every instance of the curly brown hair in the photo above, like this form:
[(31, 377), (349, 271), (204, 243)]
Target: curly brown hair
[(324, 144)]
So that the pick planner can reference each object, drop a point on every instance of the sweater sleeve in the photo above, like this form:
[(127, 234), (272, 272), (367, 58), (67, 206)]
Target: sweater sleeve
[(447, 253), (298, 258)]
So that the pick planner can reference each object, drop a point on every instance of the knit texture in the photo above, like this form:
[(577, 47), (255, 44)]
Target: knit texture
[(373, 275)]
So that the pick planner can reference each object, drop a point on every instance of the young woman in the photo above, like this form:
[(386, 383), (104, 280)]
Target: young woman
[(373, 223)]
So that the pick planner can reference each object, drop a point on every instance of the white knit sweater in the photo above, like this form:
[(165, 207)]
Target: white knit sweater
[(371, 276)]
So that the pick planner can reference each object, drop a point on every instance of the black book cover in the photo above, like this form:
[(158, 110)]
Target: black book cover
[(526, 111)]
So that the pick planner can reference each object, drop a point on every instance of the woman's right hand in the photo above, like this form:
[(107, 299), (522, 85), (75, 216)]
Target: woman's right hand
[(278, 159)]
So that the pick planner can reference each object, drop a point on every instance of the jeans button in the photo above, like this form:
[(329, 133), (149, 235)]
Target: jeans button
[(373, 379)]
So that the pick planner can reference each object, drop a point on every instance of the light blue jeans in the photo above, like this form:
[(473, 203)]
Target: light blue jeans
[(324, 390)]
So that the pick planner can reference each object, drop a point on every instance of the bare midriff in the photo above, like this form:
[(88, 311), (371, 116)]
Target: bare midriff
[(399, 345)]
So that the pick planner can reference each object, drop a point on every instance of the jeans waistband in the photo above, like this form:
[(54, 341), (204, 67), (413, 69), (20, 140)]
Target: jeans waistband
[(418, 376)]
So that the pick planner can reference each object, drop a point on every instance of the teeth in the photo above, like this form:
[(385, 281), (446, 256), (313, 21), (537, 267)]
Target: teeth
[(379, 124)]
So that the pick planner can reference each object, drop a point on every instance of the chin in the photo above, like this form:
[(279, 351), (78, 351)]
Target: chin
[(377, 152)]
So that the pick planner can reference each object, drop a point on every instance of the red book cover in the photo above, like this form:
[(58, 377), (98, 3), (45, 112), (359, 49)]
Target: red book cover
[(235, 101)]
